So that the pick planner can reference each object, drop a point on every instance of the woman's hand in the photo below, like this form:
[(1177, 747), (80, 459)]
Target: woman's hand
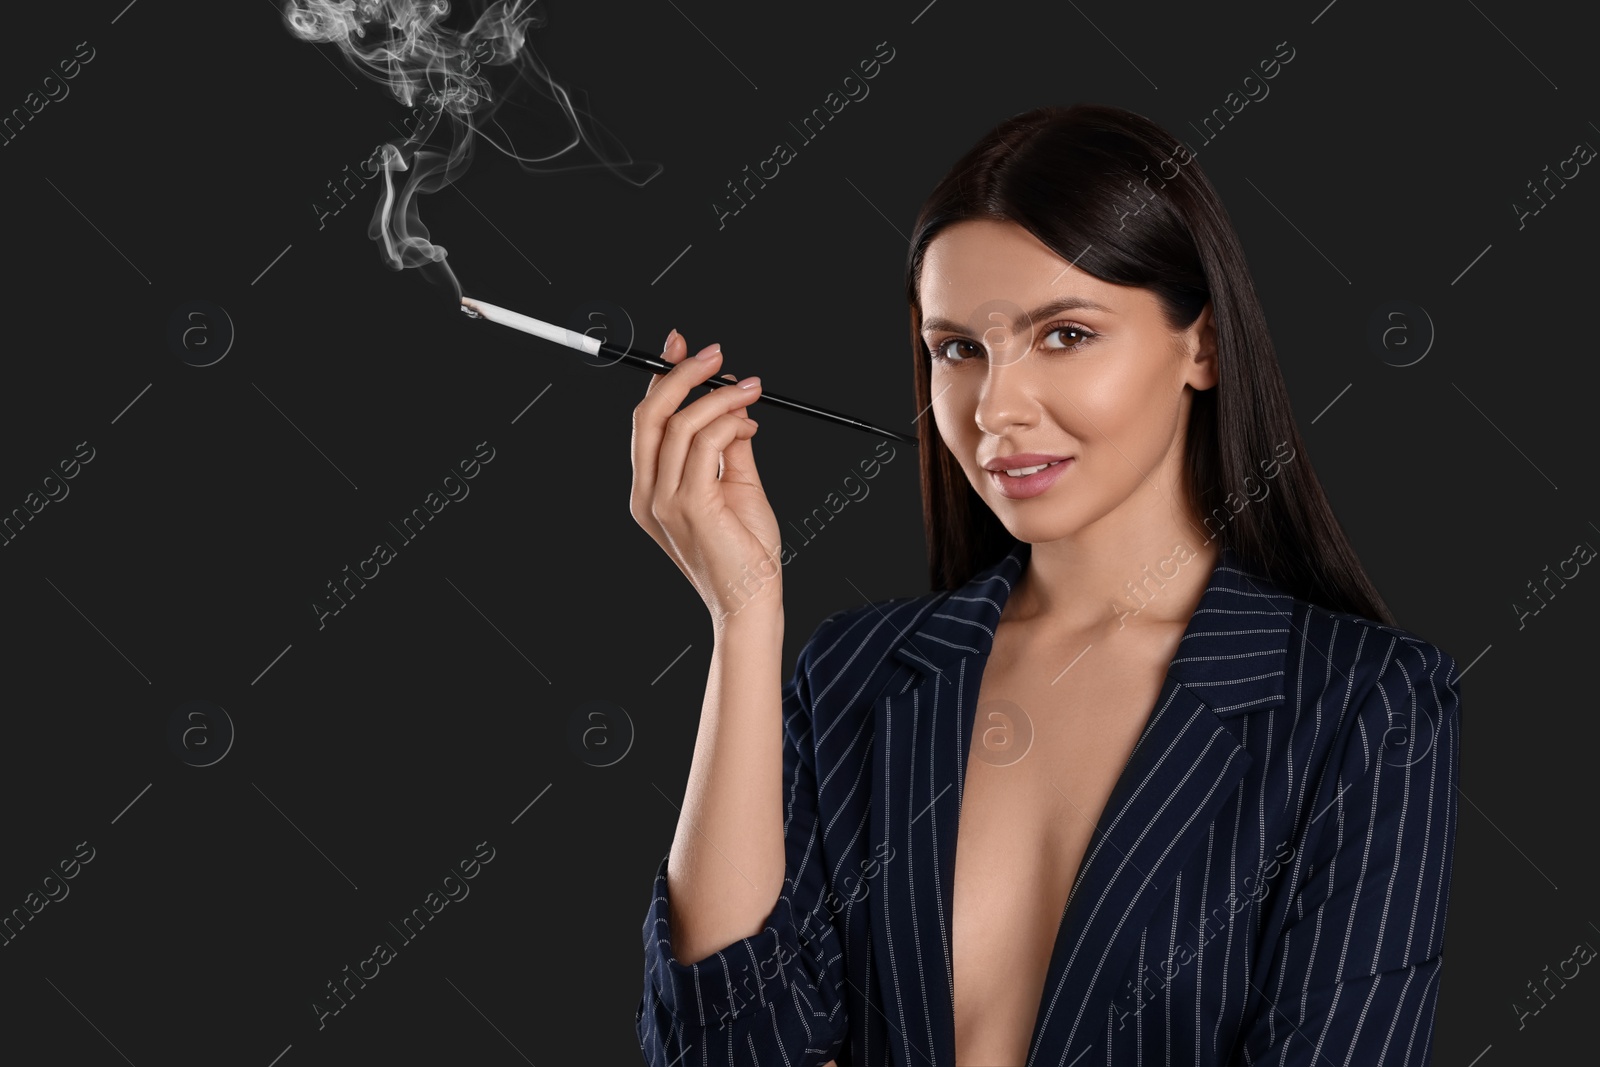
[(695, 486)]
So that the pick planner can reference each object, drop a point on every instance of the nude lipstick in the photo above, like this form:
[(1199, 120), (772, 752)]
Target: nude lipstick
[(1029, 485)]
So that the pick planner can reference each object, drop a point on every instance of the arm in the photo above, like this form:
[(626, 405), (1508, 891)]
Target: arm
[(726, 866), (735, 972), (1355, 976)]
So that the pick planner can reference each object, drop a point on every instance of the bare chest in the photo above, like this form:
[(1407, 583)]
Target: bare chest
[(1049, 743)]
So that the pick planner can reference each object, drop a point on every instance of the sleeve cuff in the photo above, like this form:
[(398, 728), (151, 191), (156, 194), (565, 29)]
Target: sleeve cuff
[(740, 979)]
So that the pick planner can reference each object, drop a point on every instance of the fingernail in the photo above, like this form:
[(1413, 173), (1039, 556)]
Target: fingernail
[(670, 335), (709, 353), (750, 382)]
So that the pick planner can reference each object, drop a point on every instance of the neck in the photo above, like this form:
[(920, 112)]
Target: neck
[(1136, 574)]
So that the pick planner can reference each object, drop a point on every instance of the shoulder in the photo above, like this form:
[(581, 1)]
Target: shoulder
[(1373, 649), (1378, 812), (849, 651), (866, 629), (1385, 685)]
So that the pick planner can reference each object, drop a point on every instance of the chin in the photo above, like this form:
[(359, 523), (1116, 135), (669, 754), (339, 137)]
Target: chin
[(1025, 522)]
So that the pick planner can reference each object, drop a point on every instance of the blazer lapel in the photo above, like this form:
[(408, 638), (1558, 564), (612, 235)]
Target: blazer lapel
[(1186, 764), (922, 725)]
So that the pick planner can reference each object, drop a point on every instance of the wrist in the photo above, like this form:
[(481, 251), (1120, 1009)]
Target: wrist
[(760, 617)]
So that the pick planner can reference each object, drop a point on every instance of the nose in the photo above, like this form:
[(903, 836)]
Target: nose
[(1007, 398)]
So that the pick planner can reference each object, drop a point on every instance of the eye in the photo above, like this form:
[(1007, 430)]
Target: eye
[(940, 351), (1084, 336), (1075, 335)]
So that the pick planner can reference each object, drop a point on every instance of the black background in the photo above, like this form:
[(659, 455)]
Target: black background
[(374, 753)]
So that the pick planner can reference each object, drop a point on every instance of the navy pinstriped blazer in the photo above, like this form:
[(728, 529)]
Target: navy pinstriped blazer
[(1266, 885)]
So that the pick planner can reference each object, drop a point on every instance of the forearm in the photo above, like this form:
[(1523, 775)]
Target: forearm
[(726, 867)]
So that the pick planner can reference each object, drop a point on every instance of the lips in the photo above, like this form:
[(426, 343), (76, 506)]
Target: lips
[(1030, 485), (1020, 460), (1023, 472)]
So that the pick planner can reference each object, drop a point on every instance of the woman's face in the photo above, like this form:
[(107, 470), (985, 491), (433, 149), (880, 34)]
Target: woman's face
[(1094, 376)]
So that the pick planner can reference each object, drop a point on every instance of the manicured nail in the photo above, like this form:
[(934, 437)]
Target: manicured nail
[(709, 353), (750, 382), (670, 335)]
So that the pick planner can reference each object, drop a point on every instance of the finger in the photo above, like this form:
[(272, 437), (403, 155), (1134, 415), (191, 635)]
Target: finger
[(645, 442), (735, 379), (673, 351), (667, 390), (652, 414), (707, 455), (738, 459), (682, 428), (686, 425)]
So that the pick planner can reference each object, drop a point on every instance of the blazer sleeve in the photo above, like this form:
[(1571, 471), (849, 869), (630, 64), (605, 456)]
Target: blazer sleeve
[(1355, 973), (772, 998)]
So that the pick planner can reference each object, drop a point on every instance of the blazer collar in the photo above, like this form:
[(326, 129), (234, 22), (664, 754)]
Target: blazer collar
[(1251, 676), (1185, 766)]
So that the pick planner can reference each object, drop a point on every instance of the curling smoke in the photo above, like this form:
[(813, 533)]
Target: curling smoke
[(443, 74)]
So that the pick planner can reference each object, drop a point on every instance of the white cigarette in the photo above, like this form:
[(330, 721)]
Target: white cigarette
[(537, 327)]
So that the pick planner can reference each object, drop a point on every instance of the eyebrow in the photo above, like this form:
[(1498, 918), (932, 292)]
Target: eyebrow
[(1043, 311)]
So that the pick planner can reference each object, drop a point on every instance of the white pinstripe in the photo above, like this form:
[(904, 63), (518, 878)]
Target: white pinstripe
[(1252, 714)]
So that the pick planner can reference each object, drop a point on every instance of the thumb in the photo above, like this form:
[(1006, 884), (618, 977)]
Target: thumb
[(738, 459)]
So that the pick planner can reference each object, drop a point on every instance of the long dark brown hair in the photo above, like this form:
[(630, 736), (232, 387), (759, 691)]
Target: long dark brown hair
[(1069, 176)]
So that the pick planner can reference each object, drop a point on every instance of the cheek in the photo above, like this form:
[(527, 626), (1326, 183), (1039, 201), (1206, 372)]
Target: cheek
[(951, 411), (1122, 401), (1110, 392), (952, 415)]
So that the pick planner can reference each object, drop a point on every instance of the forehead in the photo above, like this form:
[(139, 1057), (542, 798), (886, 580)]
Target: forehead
[(978, 261)]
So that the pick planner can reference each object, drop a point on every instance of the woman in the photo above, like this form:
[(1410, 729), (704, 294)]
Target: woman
[(1208, 814)]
